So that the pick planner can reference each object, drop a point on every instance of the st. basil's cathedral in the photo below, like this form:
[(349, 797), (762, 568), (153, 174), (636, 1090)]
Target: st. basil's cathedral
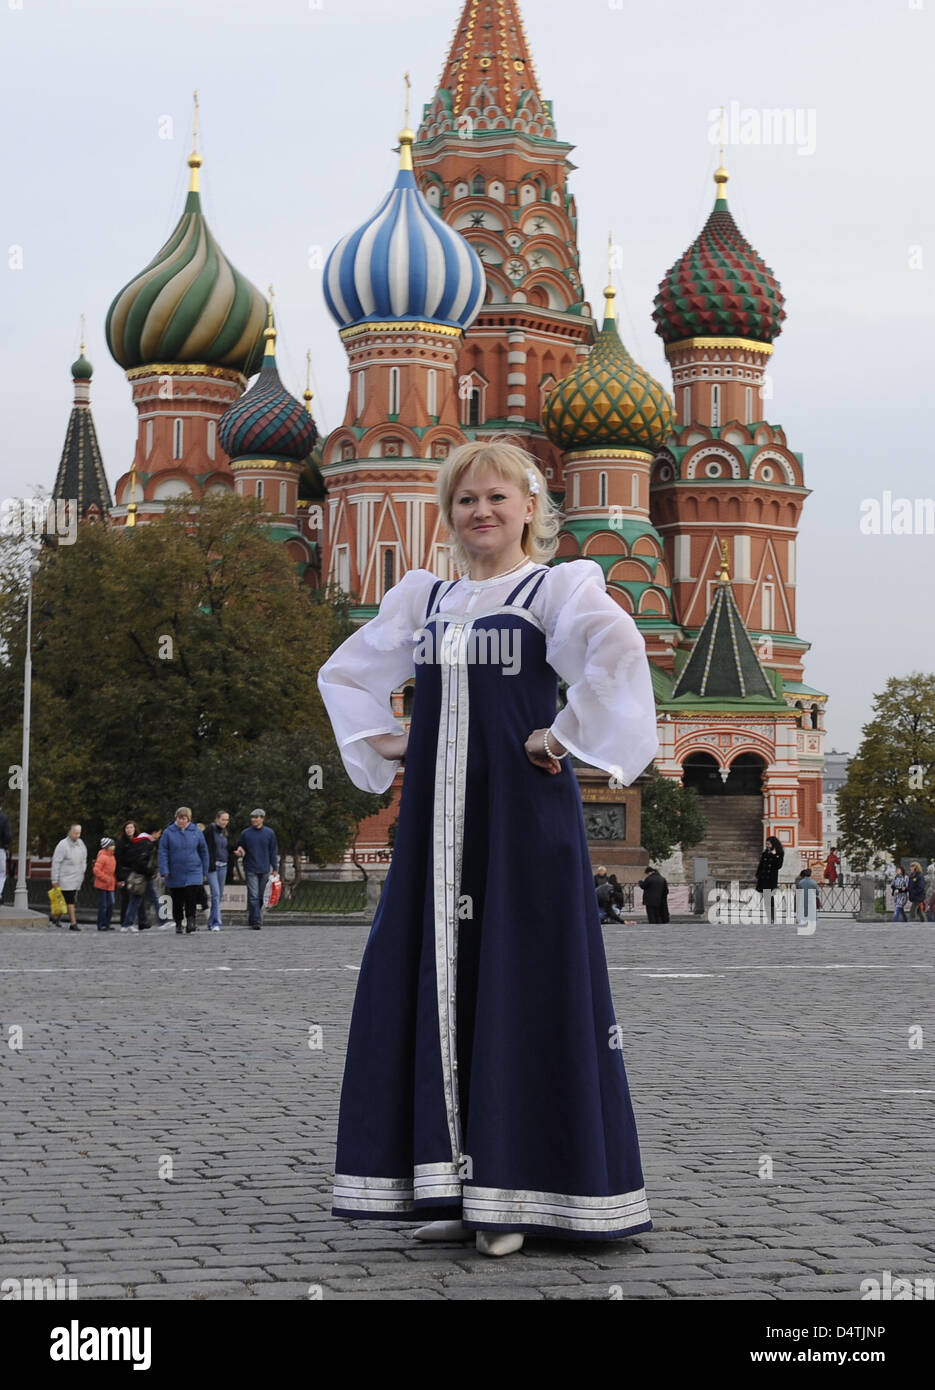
[(461, 309)]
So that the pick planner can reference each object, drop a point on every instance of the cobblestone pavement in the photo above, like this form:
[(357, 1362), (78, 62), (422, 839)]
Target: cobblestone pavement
[(168, 1130)]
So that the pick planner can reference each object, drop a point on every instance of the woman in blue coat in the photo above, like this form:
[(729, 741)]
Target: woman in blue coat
[(183, 863)]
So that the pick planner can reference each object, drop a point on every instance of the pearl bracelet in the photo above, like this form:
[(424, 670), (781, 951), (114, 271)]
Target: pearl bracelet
[(549, 754)]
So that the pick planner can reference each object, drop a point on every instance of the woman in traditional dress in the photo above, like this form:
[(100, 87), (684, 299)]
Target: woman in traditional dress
[(484, 1080)]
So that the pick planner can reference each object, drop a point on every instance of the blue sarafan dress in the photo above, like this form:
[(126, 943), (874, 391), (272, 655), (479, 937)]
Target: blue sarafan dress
[(484, 1077)]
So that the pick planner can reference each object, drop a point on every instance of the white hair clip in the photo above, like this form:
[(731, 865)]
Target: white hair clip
[(533, 483)]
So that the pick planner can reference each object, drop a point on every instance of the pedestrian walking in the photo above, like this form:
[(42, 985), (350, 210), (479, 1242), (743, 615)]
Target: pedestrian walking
[(218, 864), (69, 866), (183, 863), (807, 901), (105, 881), (916, 892), (832, 866), (259, 851), (900, 890), (767, 874), (122, 856), (655, 895), (140, 867), (6, 840), (491, 891)]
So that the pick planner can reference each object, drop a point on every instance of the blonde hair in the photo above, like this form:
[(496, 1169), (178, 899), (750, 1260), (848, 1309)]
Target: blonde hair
[(184, 811), (513, 465)]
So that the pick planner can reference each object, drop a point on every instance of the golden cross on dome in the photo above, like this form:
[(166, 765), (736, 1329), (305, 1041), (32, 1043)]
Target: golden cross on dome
[(408, 85), (194, 159), (82, 333)]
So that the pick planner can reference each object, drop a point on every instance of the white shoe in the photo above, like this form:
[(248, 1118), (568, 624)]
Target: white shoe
[(442, 1230), (214, 929), (507, 1244), (124, 928), (136, 929)]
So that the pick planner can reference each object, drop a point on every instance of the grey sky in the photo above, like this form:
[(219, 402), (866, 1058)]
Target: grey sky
[(300, 107)]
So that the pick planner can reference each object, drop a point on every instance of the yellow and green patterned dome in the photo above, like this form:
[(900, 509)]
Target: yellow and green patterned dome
[(609, 401)]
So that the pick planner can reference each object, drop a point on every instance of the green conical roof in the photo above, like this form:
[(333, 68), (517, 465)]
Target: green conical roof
[(723, 663), (609, 400)]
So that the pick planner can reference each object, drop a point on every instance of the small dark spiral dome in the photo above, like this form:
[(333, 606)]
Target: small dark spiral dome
[(267, 422)]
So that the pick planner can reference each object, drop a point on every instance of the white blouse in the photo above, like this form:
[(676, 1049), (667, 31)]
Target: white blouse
[(609, 720)]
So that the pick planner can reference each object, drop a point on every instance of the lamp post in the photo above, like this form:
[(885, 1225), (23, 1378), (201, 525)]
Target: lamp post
[(21, 895)]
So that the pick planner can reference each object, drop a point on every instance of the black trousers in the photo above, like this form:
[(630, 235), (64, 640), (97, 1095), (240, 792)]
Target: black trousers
[(184, 903)]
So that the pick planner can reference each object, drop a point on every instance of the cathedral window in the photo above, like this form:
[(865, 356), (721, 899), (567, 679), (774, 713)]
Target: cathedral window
[(212, 438), (602, 490), (149, 437), (394, 390), (576, 491), (715, 405), (283, 498), (389, 569), (686, 405), (634, 490), (178, 438), (478, 184), (474, 406), (361, 397), (748, 405), (432, 391), (259, 489), (768, 608)]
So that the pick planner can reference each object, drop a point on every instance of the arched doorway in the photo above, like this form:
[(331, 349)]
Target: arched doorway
[(732, 805)]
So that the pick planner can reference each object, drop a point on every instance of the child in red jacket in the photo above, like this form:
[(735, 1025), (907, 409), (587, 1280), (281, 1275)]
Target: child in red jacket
[(105, 881)]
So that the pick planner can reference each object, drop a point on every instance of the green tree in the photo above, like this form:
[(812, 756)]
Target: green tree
[(888, 800), (159, 652), (670, 815)]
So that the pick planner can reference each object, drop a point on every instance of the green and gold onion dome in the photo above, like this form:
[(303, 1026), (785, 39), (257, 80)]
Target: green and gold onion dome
[(608, 401), (189, 304)]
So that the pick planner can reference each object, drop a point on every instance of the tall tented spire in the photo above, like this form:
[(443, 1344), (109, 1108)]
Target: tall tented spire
[(723, 663), (489, 47), (81, 480)]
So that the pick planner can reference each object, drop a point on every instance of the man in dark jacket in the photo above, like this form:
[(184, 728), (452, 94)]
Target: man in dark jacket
[(260, 854), (655, 895), (218, 865), (6, 840)]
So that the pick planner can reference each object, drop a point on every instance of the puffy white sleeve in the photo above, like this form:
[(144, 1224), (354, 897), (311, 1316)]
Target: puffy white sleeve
[(357, 680), (610, 718)]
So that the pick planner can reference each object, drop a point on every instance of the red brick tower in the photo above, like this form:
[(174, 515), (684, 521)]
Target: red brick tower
[(487, 158)]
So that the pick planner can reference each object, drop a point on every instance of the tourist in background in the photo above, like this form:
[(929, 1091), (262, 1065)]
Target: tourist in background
[(183, 863), (6, 840), (832, 866), (122, 856), (900, 891), (767, 873), (260, 854), (105, 881), (218, 863), (655, 895), (69, 866), (916, 892)]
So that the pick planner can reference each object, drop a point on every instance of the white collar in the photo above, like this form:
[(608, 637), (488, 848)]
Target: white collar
[(514, 576)]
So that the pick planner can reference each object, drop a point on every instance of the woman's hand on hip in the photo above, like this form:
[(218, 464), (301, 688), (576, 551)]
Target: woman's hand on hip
[(390, 746), (537, 755)]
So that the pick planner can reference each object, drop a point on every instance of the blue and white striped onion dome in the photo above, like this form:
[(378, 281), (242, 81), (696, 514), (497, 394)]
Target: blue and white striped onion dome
[(404, 263)]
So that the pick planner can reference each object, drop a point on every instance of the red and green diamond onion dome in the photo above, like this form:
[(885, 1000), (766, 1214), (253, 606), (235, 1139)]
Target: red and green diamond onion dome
[(720, 287), (189, 304), (267, 422), (609, 401), (404, 263)]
